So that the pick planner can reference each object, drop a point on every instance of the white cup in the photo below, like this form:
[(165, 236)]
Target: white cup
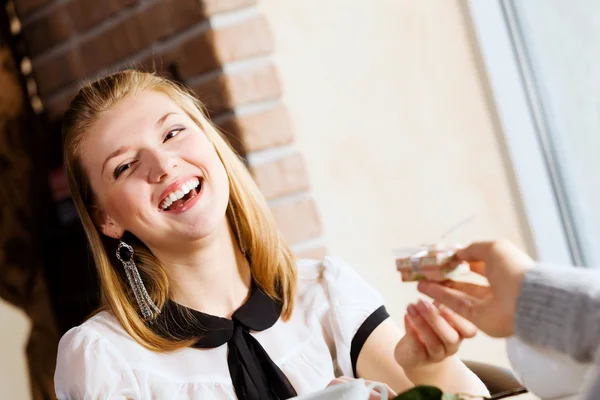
[(356, 389)]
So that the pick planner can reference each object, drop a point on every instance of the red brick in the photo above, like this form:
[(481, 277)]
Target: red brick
[(225, 91), (268, 128), (298, 221), (252, 85), (214, 94), (249, 38), (231, 128), (54, 73), (87, 13), (68, 19), (219, 93), (234, 141), (193, 57), (116, 43), (139, 31), (57, 106), (317, 253), (167, 17), (218, 6), (208, 50), (136, 32), (282, 177), (25, 7), (48, 31)]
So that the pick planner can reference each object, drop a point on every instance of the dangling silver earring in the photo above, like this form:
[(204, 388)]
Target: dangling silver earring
[(238, 231), (147, 307)]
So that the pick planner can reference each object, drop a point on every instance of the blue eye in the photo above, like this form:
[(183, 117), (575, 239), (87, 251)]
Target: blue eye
[(172, 133)]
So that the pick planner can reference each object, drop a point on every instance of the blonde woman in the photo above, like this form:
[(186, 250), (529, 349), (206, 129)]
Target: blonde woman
[(204, 300)]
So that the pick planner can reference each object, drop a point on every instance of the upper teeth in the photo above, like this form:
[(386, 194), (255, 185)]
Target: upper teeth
[(179, 193)]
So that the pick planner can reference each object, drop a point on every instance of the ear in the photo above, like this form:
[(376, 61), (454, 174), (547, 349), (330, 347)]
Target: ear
[(108, 225)]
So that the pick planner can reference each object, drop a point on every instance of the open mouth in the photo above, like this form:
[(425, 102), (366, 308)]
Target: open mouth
[(182, 195)]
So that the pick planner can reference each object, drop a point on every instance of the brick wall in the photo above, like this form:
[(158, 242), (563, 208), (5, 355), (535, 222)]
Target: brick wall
[(22, 278), (220, 48)]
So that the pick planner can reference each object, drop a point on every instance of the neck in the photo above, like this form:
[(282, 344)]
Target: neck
[(215, 278)]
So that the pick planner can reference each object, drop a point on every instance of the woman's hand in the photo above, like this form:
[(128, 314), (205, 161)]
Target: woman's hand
[(491, 308), (374, 395), (433, 333)]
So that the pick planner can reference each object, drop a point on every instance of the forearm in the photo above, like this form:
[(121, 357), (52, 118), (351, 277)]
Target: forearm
[(376, 361), (387, 372), (450, 375), (560, 308)]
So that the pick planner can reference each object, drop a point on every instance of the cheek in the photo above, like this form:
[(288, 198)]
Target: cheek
[(204, 155), (124, 204), (200, 152)]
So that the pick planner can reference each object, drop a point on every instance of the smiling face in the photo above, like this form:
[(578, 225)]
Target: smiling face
[(154, 172)]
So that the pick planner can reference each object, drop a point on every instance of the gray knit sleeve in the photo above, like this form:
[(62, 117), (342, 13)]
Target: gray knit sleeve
[(559, 307)]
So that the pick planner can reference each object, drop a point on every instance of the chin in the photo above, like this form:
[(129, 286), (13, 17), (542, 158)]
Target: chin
[(201, 228)]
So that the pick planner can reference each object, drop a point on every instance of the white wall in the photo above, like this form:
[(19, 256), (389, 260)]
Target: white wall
[(14, 331), (390, 114)]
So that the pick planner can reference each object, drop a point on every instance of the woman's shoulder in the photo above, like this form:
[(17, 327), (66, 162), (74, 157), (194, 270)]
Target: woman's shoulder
[(331, 276), (91, 350), (100, 324), (99, 330), (314, 269), (326, 270)]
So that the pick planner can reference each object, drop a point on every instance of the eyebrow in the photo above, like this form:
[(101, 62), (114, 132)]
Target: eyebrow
[(115, 153), (163, 119), (122, 150)]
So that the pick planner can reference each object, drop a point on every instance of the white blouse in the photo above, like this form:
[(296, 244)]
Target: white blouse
[(100, 360)]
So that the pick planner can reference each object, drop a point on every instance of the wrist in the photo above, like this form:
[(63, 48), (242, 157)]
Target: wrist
[(420, 373), (515, 289)]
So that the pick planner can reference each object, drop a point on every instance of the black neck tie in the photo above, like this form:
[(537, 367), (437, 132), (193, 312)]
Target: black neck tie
[(254, 375)]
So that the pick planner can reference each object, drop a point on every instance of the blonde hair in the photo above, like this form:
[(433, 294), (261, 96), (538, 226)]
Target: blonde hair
[(271, 260)]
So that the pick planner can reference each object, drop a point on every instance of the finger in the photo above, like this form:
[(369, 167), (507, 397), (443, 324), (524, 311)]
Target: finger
[(377, 386), (461, 303), (334, 382), (376, 393), (446, 333), (413, 335), (477, 267), (417, 345), (373, 395), (339, 380), (471, 289), (465, 328), (391, 393), (477, 251), (434, 346), (410, 349), (410, 329)]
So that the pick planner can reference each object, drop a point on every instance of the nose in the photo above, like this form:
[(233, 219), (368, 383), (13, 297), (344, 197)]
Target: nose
[(161, 166)]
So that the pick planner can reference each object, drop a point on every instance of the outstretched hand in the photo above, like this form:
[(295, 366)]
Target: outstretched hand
[(491, 308)]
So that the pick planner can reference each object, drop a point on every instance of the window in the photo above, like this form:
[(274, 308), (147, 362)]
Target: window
[(540, 57)]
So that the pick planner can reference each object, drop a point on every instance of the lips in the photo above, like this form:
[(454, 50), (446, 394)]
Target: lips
[(179, 192)]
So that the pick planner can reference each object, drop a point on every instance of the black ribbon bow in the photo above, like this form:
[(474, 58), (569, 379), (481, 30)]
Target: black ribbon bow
[(254, 375)]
